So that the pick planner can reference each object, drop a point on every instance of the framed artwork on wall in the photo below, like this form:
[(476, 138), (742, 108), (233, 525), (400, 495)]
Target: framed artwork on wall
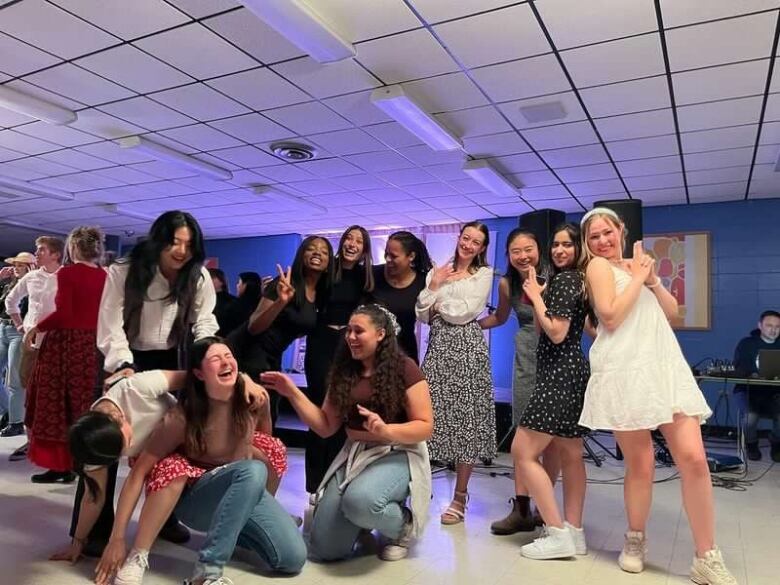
[(683, 264)]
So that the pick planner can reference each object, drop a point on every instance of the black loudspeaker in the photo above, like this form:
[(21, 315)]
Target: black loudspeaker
[(541, 223), (630, 211)]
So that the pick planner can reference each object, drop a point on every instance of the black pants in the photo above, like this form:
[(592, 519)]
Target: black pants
[(321, 346), (145, 360)]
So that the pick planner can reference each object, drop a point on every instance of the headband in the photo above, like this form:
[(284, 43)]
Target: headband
[(390, 316), (599, 211)]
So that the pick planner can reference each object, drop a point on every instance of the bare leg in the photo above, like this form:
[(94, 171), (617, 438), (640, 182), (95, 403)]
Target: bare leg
[(551, 461), (535, 476), (683, 436), (520, 488), (155, 511), (457, 509), (574, 479), (639, 458)]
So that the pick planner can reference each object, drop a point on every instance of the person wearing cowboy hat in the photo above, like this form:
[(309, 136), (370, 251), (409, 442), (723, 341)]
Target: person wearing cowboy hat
[(12, 391)]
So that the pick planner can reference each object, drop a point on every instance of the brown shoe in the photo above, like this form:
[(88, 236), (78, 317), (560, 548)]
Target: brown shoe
[(518, 520)]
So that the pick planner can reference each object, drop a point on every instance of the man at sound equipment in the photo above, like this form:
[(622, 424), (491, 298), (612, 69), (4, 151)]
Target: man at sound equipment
[(758, 400)]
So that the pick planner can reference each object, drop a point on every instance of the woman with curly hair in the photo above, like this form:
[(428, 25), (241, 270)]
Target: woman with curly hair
[(64, 378), (381, 397)]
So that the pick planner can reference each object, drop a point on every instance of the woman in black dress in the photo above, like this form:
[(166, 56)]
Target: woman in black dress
[(398, 282), (224, 298), (554, 410), (353, 280)]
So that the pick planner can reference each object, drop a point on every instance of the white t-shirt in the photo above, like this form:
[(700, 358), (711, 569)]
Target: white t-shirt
[(143, 398)]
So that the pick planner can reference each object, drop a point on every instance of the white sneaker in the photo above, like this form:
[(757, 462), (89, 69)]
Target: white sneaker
[(711, 570), (578, 534), (632, 557), (133, 569), (555, 543), (398, 548)]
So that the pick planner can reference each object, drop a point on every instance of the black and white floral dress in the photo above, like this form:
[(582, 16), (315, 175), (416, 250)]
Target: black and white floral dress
[(562, 371), (457, 367)]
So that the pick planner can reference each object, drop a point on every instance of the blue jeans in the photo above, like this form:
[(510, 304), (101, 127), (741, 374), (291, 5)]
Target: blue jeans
[(230, 503), (756, 403), (371, 501), (12, 394)]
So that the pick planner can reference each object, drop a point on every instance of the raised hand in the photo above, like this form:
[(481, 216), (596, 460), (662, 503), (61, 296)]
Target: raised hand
[(284, 288), (641, 265), (441, 275), (280, 383), (531, 287), (6, 272)]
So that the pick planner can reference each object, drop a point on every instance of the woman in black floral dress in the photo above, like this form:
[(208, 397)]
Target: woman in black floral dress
[(556, 404)]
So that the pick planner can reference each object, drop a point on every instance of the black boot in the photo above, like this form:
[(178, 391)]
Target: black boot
[(13, 430), (54, 477), (753, 452), (518, 520)]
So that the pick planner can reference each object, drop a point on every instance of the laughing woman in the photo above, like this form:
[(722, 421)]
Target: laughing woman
[(457, 363)]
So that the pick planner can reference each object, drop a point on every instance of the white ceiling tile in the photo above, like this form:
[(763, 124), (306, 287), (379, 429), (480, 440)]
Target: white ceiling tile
[(197, 51), (764, 189), (246, 156), (533, 179), (17, 169), (582, 23), (347, 142), (439, 195), (423, 156), (104, 125), (522, 79), (438, 10), (447, 172), (402, 177), (285, 173), (474, 122), (77, 160), (432, 217), (654, 182), (245, 88), (112, 152), (361, 181), (318, 187), (326, 80), (379, 161), (357, 108), (146, 17), (650, 166), (62, 135), (615, 61), (723, 41), (704, 140), (770, 133), (500, 35), (643, 148), (576, 156), (445, 93), (126, 175), (717, 83), (406, 206), (469, 213), (80, 182), (18, 58), (714, 176), (716, 193), (627, 97), (570, 205), (589, 202), (392, 134), (719, 114), (587, 173), (13, 140), (495, 145), (44, 94), (682, 12), (47, 27), (164, 170), (760, 173), (199, 102), (78, 84), (385, 17), (573, 134), (7, 154), (517, 163), (201, 137), (331, 167), (397, 58), (718, 159), (772, 113), (132, 68), (473, 189), (143, 111), (767, 154), (667, 196), (611, 187), (653, 123), (9, 119), (509, 209), (550, 192), (309, 118), (252, 128), (203, 8), (568, 102), (40, 168), (385, 194)]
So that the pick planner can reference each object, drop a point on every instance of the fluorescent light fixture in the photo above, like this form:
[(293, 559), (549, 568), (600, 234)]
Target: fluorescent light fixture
[(28, 188), (280, 193), (120, 210), (300, 24), (34, 107), (490, 178), (166, 154), (394, 102)]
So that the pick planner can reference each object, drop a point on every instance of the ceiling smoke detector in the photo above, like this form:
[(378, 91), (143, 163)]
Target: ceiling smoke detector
[(293, 151)]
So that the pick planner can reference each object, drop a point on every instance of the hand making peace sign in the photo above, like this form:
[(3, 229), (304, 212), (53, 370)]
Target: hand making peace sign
[(284, 288)]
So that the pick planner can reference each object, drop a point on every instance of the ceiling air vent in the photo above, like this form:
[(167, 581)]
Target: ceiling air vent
[(293, 151), (543, 112)]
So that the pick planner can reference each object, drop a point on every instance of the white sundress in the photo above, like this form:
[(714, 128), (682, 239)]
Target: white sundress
[(639, 377)]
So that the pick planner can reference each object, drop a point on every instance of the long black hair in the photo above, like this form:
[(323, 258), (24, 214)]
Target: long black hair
[(94, 439), (298, 277), (514, 277), (253, 287), (578, 264), (410, 243), (143, 261)]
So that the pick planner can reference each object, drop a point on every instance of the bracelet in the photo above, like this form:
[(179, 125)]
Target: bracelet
[(657, 283)]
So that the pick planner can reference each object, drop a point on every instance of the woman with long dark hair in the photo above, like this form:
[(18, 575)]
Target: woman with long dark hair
[(381, 396), (224, 299), (353, 280), (249, 291), (553, 412), (399, 280), (204, 450)]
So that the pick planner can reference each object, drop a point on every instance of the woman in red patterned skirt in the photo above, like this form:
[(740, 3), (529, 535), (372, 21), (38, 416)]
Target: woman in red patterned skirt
[(63, 383)]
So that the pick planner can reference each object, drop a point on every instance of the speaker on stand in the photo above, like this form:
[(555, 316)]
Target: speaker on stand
[(541, 223)]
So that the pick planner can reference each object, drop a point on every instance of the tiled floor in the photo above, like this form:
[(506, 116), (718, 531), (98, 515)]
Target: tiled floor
[(35, 519)]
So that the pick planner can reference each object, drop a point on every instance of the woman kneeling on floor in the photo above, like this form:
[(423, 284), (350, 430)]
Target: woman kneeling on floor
[(383, 399)]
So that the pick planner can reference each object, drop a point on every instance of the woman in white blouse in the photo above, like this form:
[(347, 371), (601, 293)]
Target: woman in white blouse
[(457, 363)]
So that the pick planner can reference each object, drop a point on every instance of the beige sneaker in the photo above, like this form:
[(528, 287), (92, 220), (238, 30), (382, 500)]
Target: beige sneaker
[(711, 570), (632, 558)]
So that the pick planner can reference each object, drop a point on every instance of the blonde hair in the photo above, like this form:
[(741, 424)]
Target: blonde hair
[(612, 219), (86, 243)]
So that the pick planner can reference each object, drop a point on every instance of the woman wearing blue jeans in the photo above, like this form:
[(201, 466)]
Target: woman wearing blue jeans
[(383, 399), (203, 450)]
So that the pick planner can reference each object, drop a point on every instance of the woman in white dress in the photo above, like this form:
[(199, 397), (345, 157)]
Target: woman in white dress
[(640, 381)]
